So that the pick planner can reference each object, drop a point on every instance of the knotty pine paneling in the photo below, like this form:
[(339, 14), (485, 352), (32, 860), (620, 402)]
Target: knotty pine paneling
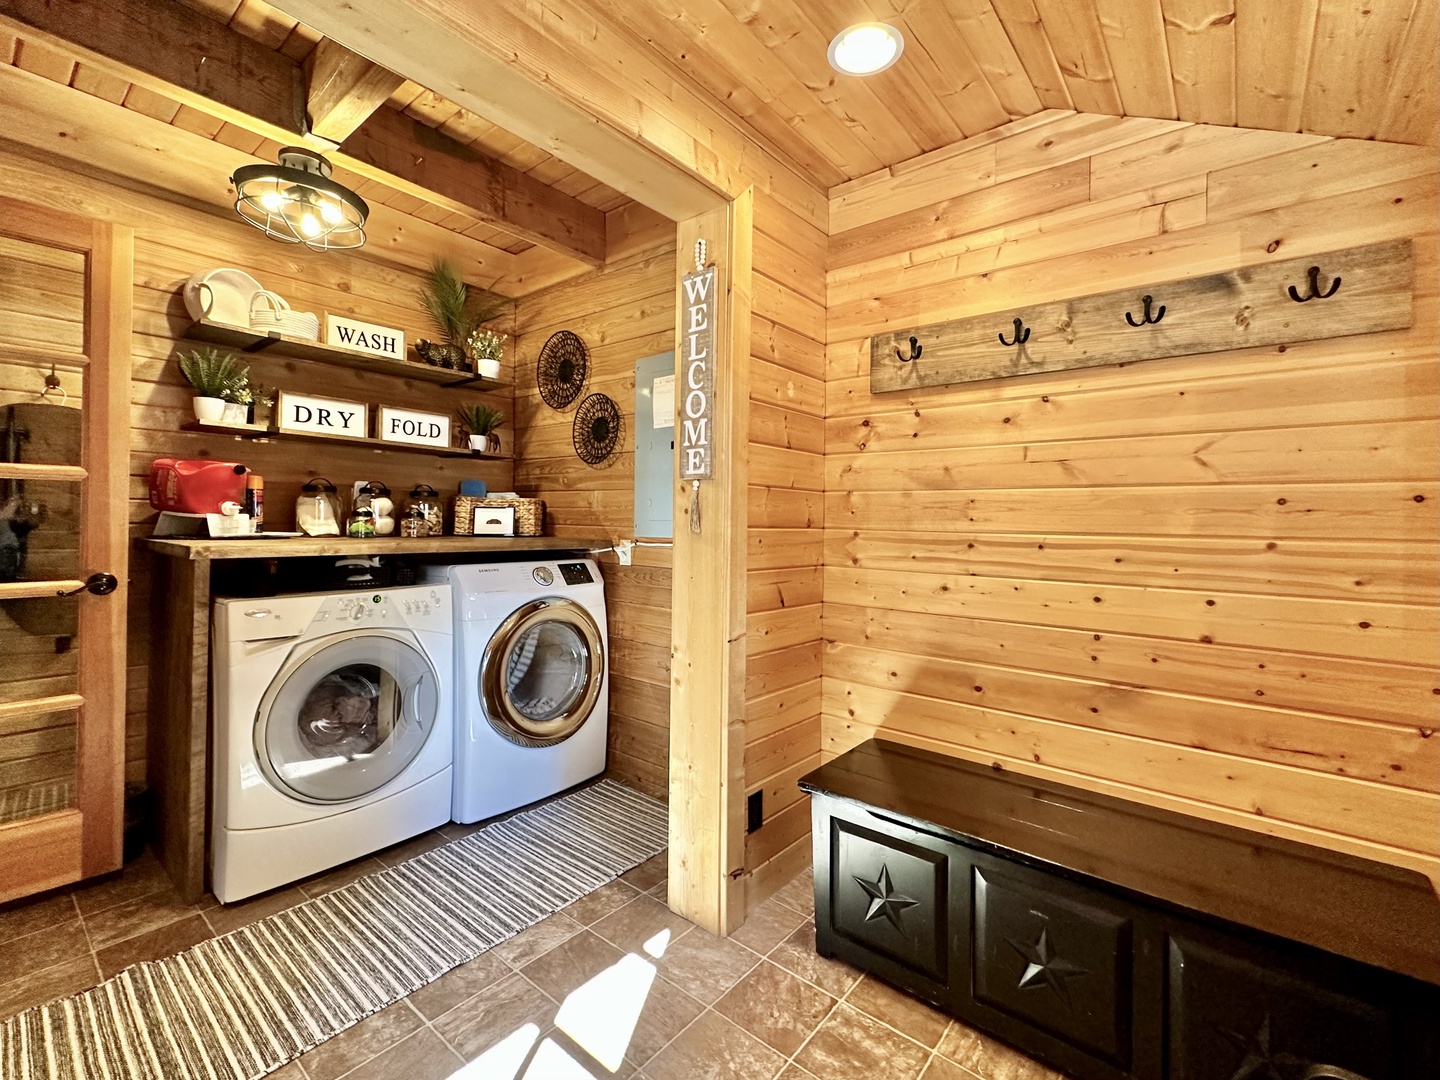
[(173, 241), (784, 581), (1207, 583), (622, 312)]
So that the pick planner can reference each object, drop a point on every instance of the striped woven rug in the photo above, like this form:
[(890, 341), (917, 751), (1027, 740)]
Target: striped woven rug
[(240, 1006)]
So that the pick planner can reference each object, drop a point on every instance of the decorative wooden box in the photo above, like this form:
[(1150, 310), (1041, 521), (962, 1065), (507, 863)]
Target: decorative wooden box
[(1114, 941)]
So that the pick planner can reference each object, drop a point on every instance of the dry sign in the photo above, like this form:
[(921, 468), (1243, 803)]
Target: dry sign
[(697, 375), (321, 416)]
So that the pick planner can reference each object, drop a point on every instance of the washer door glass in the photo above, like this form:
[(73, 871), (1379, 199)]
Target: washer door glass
[(542, 672), (345, 718)]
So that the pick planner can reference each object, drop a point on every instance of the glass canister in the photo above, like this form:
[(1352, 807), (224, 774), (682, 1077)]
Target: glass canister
[(427, 500), (362, 523), (316, 513), (375, 496), (414, 523)]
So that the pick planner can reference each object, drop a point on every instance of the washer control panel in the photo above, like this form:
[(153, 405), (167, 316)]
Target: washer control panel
[(416, 606)]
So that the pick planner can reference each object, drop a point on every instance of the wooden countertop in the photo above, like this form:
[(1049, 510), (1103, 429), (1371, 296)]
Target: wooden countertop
[(273, 548), (1378, 914)]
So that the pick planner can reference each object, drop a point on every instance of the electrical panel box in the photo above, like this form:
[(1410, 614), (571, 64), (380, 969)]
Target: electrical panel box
[(655, 445)]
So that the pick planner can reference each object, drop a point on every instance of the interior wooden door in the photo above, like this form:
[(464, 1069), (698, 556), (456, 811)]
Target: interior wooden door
[(65, 311)]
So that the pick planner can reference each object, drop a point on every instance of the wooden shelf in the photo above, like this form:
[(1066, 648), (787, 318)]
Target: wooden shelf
[(278, 547), (256, 431), (252, 341)]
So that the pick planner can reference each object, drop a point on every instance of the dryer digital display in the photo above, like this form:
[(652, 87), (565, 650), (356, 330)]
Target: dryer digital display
[(575, 573)]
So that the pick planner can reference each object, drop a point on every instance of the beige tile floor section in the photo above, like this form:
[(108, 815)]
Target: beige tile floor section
[(615, 985)]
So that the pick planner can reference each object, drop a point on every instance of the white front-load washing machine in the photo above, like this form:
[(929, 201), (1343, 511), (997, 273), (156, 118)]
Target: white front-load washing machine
[(531, 681), (333, 731)]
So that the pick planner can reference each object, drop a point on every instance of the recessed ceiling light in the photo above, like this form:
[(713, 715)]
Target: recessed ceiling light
[(866, 48)]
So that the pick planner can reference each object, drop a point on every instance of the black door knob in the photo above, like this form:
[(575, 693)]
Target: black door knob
[(101, 584)]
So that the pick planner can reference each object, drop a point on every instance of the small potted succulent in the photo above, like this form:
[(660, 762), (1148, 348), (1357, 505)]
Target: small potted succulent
[(487, 348), (454, 313), (481, 421), (218, 378)]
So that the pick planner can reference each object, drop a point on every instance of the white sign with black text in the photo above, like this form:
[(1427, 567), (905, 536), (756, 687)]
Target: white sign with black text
[(321, 416), (414, 428), (697, 375), (367, 337)]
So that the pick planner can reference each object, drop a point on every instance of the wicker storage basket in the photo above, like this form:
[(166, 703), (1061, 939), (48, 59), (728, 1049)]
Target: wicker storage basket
[(529, 514)]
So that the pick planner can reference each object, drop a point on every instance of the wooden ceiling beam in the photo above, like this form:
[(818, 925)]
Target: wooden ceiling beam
[(190, 57), (176, 51), (393, 149), (144, 154), (343, 90)]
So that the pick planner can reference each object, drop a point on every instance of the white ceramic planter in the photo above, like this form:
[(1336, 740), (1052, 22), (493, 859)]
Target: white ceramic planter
[(488, 368), (485, 444), (209, 410)]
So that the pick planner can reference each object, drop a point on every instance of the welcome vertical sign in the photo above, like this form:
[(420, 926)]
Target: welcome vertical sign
[(697, 375)]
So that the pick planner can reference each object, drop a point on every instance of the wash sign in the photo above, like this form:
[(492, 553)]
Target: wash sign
[(697, 375), (367, 337)]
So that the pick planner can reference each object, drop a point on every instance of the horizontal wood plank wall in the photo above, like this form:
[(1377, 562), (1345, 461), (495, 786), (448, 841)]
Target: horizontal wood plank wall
[(786, 541), (622, 312), (1207, 583), (173, 241)]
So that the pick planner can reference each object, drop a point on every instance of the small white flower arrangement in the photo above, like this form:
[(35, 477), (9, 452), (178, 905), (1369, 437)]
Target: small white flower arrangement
[(487, 349)]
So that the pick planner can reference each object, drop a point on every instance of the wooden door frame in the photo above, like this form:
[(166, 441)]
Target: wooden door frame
[(87, 839)]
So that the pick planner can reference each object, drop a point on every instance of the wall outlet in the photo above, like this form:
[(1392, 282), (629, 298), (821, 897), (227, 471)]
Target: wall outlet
[(625, 551)]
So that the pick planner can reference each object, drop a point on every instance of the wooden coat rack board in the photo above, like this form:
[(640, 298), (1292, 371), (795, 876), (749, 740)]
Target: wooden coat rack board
[(1356, 291)]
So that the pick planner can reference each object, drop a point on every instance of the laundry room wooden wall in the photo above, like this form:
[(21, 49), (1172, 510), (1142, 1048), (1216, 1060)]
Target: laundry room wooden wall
[(623, 312), (173, 240), (1207, 583)]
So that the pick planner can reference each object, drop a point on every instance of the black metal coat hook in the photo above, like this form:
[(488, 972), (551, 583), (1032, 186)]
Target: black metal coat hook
[(1022, 335), (1146, 318), (915, 349), (1315, 293)]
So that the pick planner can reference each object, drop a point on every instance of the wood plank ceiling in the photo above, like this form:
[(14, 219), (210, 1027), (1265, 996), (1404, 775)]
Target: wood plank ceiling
[(270, 27), (1328, 67)]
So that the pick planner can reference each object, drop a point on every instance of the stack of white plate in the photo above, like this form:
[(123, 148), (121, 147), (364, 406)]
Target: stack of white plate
[(223, 295), (270, 312)]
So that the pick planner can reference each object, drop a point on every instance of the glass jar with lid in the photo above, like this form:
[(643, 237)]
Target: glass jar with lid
[(316, 512), (427, 500), (375, 497)]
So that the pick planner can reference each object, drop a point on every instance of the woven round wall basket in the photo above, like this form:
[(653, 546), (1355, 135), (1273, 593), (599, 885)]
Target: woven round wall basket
[(596, 432), (561, 369)]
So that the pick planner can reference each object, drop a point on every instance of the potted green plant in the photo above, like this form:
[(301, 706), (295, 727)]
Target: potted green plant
[(454, 313), (481, 421), (217, 378)]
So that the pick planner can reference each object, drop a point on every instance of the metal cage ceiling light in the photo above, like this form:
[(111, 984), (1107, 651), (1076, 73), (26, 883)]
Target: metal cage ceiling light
[(297, 202)]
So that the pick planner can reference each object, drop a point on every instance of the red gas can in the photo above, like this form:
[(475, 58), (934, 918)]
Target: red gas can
[(195, 485)]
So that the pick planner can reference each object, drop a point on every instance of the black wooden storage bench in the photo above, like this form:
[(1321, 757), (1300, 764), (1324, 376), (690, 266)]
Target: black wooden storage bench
[(1112, 940)]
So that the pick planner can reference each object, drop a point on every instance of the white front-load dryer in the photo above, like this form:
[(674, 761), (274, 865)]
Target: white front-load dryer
[(333, 732), (531, 681)]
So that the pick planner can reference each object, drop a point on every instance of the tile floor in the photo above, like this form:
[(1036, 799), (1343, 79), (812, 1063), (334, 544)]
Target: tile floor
[(615, 985)]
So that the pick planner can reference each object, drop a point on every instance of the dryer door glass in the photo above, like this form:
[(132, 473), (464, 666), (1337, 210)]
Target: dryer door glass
[(347, 717), (542, 672)]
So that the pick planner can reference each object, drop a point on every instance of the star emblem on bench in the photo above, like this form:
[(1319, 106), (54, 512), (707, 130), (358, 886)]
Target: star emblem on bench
[(1044, 967), (885, 902)]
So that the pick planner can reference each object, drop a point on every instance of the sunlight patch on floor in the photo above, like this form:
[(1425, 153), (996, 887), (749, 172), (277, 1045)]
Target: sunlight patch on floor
[(504, 1060), (601, 1015)]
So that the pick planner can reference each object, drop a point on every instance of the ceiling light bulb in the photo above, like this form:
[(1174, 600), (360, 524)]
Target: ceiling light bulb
[(331, 213), (310, 224), (272, 201), (866, 49)]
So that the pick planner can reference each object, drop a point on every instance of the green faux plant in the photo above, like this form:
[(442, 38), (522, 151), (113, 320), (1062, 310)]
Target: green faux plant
[(453, 310), (481, 419), (218, 375)]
